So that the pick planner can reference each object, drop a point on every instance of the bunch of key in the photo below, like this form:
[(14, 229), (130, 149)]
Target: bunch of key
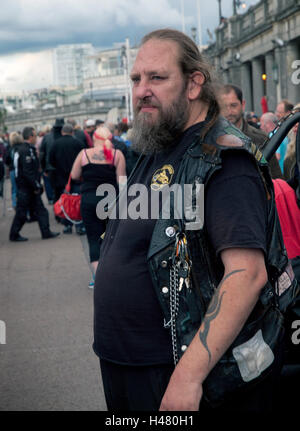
[(182, 261)]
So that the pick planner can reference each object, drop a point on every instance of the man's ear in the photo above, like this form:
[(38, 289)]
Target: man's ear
[(196, 81)]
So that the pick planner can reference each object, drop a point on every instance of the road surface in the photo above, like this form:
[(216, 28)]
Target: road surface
[(46, 308)]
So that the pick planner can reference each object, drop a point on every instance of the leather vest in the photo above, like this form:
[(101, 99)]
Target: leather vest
[(200, 162)]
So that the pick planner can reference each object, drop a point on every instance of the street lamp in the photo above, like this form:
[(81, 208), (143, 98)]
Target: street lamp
[(199, 23), (91, 90), (182, 16), (194, 33), (220, 11), (237, 4), (125, 54)]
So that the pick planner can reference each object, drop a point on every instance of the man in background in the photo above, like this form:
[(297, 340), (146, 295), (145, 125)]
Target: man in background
[(283, 108), (268, 122), (78, 132), (29, 192), (232, 108), (44, 152)]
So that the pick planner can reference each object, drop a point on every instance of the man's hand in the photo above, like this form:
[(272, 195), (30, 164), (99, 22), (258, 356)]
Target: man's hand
[(183, 393), (234, 299)]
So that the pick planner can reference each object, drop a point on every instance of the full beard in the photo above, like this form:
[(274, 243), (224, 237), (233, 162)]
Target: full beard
[(154, 137)]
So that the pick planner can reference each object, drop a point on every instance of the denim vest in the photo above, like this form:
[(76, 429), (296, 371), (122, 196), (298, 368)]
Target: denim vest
[(199, 163)]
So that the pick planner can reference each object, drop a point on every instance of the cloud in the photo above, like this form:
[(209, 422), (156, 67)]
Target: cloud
[(25, 71), (34, 26), (40, 24), (52, 22)]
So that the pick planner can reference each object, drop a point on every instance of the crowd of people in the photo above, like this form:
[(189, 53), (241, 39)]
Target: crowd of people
[(39, 161), (182, 317)]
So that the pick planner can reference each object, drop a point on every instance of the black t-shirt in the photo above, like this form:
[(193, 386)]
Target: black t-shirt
[(128, 321), (235, 205)]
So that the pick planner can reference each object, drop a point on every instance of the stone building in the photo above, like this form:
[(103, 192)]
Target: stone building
[(260, 52)]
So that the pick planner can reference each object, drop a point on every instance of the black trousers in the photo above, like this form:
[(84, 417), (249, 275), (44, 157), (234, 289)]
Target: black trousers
[(93, 225), (27, 200), (129, 388), (138, 388)]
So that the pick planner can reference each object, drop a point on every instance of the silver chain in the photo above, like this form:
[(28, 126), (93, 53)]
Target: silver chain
[(174, 305), (180, 260)]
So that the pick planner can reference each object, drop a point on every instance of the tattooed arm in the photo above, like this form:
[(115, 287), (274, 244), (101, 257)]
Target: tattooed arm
[(244, 277)]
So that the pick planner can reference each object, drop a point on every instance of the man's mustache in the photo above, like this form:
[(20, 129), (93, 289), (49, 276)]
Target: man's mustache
[(147, 102)]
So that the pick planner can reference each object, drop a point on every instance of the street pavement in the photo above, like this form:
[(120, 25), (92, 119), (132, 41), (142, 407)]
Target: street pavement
[(47, 363)]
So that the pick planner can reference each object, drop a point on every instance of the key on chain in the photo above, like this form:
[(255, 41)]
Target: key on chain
[(183, 274)]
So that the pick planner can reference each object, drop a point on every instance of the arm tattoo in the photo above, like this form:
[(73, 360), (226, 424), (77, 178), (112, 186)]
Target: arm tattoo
[(99, 156), (213, 311)]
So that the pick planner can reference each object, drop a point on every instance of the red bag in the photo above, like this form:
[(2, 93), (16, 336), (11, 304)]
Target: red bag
[(68, 205)]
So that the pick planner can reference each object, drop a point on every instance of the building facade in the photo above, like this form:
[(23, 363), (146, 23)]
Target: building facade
[(72, 63), (110, 112), (112, 80), (260, 52)]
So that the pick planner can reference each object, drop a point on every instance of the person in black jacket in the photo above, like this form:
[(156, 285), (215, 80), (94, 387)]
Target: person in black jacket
[(44, 153), (29, 188), (78, 132)]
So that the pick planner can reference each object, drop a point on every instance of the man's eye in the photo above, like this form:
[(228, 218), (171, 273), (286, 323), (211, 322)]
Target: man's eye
[(157, 77), (135, 79)]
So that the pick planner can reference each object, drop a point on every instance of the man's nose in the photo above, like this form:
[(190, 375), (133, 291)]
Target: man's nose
[(143, 89)]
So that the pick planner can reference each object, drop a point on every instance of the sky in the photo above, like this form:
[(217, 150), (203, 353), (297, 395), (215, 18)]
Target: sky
[(30, 29)]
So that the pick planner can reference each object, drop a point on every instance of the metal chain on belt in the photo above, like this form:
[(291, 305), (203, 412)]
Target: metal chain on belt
[(174, 304), (179, 277)]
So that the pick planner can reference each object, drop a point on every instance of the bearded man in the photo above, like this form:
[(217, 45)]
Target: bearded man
[(172, 297)]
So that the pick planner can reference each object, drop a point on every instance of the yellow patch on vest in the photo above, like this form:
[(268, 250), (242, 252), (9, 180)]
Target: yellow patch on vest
[(162, 177)]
